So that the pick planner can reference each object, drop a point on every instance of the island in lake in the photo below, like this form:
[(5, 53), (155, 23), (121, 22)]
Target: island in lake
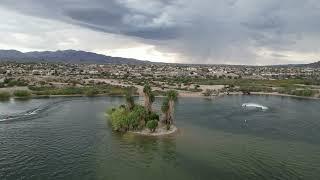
[(142, 120)]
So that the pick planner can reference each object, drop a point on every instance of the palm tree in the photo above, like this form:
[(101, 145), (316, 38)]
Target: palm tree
[(165, 110), (172, 97), (148, 97), (168, 106), (129, 100)]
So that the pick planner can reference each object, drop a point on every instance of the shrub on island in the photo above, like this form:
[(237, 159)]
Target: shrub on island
[(122, 119), (152, 125)]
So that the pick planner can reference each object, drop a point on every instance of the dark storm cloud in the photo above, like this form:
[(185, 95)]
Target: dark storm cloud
[(202, 31), (113, 16)]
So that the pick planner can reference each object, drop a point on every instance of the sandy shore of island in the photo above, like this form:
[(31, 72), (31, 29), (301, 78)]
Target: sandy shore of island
[(161, 131)]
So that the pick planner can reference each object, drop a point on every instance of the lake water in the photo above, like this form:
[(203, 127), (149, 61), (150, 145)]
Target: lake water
[(69, 138)]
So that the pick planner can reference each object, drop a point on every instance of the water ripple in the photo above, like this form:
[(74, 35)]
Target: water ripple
[(31, 113)]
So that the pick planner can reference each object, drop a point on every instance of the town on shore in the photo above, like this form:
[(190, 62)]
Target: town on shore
[(23, 80)]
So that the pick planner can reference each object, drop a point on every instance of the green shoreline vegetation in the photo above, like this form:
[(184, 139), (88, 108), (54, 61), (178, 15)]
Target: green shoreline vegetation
[(85, 90), (300, 87), (134, 117), (294, 87), (22, 94), (46, 91), (4, 96)]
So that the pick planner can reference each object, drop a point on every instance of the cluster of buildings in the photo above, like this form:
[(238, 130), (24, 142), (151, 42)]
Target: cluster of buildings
[(125, 71)]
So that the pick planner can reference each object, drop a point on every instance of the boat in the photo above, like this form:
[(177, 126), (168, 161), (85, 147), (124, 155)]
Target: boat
[(254, 106)]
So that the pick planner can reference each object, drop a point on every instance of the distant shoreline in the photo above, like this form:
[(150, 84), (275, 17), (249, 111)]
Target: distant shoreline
[(285, 95), (183, 95), (196, 95)]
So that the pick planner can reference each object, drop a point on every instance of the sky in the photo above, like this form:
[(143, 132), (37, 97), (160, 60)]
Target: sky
[(255, 32)]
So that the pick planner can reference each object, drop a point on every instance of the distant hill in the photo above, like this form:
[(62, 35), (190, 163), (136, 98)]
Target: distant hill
[(66, 56), (314, 65)]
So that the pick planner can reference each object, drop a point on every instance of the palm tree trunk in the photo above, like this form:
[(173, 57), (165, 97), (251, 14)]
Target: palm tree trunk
[(167, 117), (149, 106), (171, 109), (146, 101)]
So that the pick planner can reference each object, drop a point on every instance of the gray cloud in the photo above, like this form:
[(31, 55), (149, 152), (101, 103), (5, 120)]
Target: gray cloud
[(112, 16), (201, 31)]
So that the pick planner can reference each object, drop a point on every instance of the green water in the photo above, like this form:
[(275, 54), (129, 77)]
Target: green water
[(218, 139)]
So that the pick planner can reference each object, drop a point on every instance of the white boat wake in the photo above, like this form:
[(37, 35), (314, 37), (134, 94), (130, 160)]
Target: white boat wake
[(254, 106), (29, 114)]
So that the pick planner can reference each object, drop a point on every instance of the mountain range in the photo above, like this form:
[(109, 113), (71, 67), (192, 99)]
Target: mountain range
[(82, 57), (66, 56)]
